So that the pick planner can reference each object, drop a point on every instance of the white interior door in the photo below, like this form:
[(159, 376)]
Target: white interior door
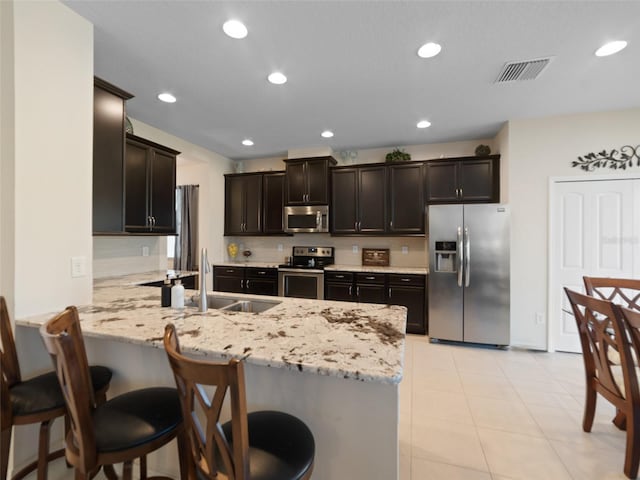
[(594, 232)]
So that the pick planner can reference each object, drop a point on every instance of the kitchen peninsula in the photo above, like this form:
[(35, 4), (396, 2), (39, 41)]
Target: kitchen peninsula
[(336, 365)]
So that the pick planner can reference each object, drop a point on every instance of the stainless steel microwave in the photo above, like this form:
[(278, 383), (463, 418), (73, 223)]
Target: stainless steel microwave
[(306, 219)]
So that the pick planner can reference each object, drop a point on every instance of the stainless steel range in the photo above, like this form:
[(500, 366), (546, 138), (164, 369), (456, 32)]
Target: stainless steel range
[(303, 277)]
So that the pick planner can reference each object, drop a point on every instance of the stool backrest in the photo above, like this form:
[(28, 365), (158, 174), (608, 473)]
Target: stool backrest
[(600, 330), (621, 291), (8, 355), (63, 338), (206, 438)]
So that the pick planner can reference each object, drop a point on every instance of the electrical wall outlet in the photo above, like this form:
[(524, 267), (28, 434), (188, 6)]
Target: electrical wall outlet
[(354, 248), (405, 250), (539, 318), (78, 267), (145, 251), (280, 247)]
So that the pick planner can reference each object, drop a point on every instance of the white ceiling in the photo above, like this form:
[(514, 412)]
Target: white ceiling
[(352, 68)]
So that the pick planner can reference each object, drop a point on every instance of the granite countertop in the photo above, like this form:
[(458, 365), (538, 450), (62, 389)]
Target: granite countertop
[(346, 268), (350, 340)]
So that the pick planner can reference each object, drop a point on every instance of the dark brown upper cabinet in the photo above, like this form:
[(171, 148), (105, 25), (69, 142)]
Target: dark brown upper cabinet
[(273, 203), (150, 187), (358, 200), (108, 157), (243, 204), (463, 180), (307, 180), (406, 198)]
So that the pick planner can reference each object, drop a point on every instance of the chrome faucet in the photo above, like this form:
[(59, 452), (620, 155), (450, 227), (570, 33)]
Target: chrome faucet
[(204, 269)]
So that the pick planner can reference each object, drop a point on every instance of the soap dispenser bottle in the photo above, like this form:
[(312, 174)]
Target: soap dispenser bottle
[(177, 294), (166, 293)]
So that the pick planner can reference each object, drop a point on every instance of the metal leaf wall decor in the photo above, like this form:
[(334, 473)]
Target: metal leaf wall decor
[(615, 159)]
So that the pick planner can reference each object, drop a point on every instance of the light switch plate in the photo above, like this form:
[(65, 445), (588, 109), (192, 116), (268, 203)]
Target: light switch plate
[(354, 248), (145, 251), (78, 267), (405, 250), (280, 247)]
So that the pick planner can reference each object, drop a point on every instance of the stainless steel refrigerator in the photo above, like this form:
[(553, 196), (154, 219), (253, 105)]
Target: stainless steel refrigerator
[(469, 273)]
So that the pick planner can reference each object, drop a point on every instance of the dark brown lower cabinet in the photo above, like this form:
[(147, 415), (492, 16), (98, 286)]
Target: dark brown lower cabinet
[(256, 281), (392, 289)]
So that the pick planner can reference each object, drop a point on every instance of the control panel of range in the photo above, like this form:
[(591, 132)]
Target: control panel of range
[(313, 251)]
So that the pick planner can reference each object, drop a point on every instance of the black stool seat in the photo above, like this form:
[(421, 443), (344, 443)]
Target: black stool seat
[(136, 418), (280, 446), (42, 393)]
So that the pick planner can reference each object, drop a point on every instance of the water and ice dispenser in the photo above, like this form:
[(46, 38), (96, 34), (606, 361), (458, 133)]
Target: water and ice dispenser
[(446, 253)]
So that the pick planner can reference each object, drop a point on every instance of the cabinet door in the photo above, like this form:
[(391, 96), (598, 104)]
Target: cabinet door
[(478, 182), (228, 284), (163, 192), (296, 183), (341, 292), (260, 286), (136, 193), (366, 293), (442, 182), (413, 298), (273, 198), (253, 204), (233, 205), (317, 174), (372, 195), (344, 200), (406, 199)]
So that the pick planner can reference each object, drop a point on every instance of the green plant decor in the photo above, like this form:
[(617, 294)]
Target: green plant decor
[(398, 155)]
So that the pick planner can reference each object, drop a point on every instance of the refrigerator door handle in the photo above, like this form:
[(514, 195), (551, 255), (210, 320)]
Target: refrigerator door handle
[(467, 257), (459, 250)]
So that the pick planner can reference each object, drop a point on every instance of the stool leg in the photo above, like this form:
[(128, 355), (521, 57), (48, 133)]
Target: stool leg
[(127, 470), (143, 467), (43, 450), (184, 455), (4, 454)]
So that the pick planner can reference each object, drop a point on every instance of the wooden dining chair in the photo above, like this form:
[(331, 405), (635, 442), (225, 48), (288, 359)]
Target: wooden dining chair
[(120, 430), (264, 445), (34, 400), (622, 291), (601, 329)]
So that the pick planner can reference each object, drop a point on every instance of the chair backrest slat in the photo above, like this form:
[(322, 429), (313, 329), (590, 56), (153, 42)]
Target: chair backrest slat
[(622, 291), (208, 442), (63, 339)]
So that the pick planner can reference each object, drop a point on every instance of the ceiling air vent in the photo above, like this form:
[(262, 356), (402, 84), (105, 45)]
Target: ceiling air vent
[(527, 70)]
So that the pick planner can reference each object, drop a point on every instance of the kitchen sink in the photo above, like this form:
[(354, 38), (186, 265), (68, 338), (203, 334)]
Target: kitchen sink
[(233, 304)]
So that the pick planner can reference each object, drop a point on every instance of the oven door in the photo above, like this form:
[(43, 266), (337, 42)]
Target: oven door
[(301, 283)]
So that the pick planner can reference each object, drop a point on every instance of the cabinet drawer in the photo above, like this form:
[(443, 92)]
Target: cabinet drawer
[(229, 271), (254, 272), (377, 278), (413, 280), (343, 277)]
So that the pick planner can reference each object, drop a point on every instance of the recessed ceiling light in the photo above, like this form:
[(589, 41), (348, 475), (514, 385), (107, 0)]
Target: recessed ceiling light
[(277, 78), (611, 48), (327, 134), (167, 97), (423, 124), (247, 142), (429, 50), (235, 29)]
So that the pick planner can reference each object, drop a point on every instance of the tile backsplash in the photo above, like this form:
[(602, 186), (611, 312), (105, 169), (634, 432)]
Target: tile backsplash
[(126, 255), (265, 249)]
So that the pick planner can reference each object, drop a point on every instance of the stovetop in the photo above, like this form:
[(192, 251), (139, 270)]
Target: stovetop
[(311, 258)]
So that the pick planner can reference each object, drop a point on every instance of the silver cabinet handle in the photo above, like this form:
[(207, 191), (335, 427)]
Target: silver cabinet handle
[(358, 291), (350, 290), (467, 257), (370, 278), (230, 271), (339, 276), (461, 194), (242, 283), (391, 223), (246, 284), (405, 279), (262, 273), (389, 292), (359, 226), (460, 254)]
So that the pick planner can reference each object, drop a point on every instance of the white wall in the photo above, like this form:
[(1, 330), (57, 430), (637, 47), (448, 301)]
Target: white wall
[(7, 164), (53, 156), (537, 150)]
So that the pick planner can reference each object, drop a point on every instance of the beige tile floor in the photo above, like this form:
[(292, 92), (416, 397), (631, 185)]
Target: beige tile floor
[(477, 413), (481, 414)]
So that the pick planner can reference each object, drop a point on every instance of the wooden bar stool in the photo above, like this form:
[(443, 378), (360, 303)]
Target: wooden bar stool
[(36, 400), (120, 430), (263, 445)]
